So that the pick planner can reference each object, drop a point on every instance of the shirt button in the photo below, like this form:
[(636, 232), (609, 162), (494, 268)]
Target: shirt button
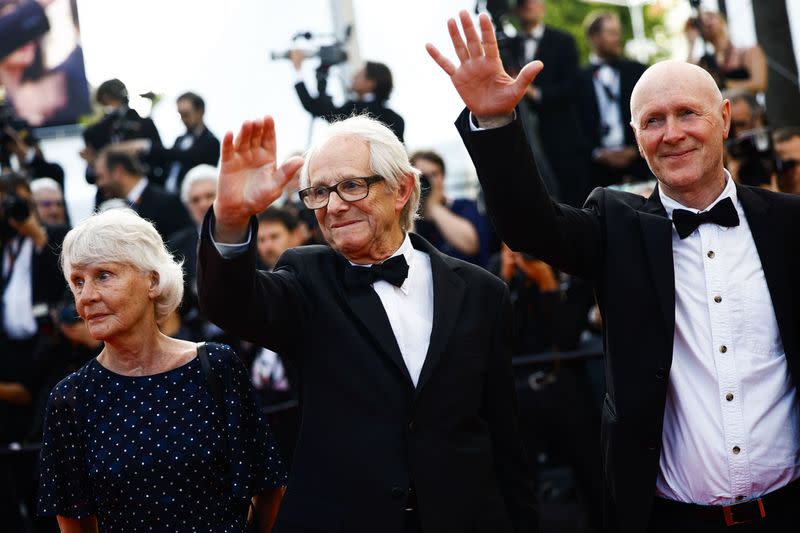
[(736, 450), (729, 397), (723, 348), (718, 299), (739, 498), (660, 374), (710, 254)]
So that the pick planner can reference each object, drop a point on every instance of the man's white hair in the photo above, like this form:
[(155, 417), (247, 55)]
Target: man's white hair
[(122, 236), (41, 184), (198, 173), (387, 158)]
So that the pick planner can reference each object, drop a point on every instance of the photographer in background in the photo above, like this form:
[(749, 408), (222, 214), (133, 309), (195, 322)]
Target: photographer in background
[(120, 123), (749, 151), (30, 284), (454, 227), (787, 147), (20, 152), (48, 197), (370, 88)]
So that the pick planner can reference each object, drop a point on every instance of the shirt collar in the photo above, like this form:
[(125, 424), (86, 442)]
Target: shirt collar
[(136, 192), (537, 32), (407, 250), (729, 191)]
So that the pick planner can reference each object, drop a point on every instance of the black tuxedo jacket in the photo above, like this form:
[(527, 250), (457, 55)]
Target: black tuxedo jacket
[(589, 113), (323, 106), (623, 243), (163, 209), (560, 131), (367, 434), (204, 151)]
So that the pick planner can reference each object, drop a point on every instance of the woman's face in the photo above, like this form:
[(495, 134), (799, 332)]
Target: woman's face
[(114, 299)]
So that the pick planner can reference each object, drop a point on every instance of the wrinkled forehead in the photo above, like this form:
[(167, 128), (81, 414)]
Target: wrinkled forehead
[(339, 158)]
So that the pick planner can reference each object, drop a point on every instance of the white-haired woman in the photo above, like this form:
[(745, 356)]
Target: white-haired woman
[(156, 433)]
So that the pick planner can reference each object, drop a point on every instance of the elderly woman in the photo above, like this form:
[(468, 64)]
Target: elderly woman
[(155, 433)]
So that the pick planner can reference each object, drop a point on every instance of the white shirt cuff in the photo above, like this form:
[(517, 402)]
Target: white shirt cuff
[(473, 126), (229, 251)]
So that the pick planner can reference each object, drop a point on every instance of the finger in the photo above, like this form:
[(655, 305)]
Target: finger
[(269, 140), (288, 169), (473, 40), (527, 75), (243, 137), (227, 147), (442, 61), (258, 132), (458, 42), (488, 37)]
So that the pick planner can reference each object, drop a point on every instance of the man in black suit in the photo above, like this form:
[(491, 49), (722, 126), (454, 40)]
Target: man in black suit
[(408, 406), (198, 146), (120, 123), (604, 104), (120, 175), (370, 88), (701, 421), (548, 110)]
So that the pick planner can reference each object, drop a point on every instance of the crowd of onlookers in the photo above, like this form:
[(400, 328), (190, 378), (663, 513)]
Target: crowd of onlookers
[(576, 119)]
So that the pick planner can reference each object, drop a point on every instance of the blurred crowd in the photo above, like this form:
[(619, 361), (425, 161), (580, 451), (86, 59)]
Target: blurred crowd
[(576, 117)]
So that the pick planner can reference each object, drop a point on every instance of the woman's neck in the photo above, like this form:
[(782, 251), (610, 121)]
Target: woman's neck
[(142, 354)]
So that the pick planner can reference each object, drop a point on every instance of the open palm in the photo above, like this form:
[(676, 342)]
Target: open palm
[(481, 81), (249, 179)]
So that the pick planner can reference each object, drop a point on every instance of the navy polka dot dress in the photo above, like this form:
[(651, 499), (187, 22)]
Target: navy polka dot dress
[(155, 453)]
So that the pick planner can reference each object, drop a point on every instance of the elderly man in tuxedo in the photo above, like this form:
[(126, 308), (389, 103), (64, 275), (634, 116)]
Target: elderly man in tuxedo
[(698, 289), (408, 406)]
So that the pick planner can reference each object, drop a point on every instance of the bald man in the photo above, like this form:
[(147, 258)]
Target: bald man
[(701, 424)]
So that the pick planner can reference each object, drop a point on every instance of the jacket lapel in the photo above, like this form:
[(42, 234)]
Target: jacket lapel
[(769, 234), (657, 236), (371, 318), (448, 292)]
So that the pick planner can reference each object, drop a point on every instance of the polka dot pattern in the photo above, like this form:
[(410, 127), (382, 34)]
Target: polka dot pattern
[(149, 453)]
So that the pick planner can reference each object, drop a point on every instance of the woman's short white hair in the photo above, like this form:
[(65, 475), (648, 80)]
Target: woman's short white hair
[(122, 236), (387, 158), (198, 173), (41, 184)]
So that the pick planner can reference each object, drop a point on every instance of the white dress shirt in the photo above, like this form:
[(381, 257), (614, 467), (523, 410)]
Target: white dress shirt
[(731, 422), (532, 40), (408, 307), (137, 190), (18, 313), (607, 92)]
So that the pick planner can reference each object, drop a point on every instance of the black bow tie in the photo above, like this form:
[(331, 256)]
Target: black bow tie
[(722, 214), (394, 270)]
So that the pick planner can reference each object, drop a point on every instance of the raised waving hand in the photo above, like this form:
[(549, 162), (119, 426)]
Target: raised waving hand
[(480, 79), (249, 178)]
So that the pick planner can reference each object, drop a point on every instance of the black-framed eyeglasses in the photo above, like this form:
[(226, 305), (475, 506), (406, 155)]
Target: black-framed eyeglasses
[(349, 190)]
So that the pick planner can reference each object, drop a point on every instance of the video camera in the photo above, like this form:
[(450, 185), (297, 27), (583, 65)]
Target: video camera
[(12, 207), (328, 54), (755, 151)]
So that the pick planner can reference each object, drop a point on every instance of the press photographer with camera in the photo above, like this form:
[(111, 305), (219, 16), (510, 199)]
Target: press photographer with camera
[(30, 284), (370, 88), (787, 148)]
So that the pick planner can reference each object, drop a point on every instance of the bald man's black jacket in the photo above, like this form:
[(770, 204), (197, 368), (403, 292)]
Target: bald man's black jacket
[(623, 243), (367, 434)]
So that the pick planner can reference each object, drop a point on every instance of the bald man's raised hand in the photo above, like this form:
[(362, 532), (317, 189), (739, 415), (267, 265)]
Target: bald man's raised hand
[(487, 90), (249, 179)]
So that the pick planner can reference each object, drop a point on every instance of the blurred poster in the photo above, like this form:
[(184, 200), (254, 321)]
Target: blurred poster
[(42, 76)]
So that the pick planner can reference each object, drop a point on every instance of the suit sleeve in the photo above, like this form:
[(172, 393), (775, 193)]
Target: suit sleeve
[(321, 106), (265, 308), (524, 215), (514, 475)]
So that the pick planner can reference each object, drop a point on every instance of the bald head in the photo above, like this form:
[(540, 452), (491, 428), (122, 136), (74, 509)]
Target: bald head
[(675, 76)]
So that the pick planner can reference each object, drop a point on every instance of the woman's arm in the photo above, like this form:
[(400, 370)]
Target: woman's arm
[(72, 525), (266, 505), (755, 61)]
